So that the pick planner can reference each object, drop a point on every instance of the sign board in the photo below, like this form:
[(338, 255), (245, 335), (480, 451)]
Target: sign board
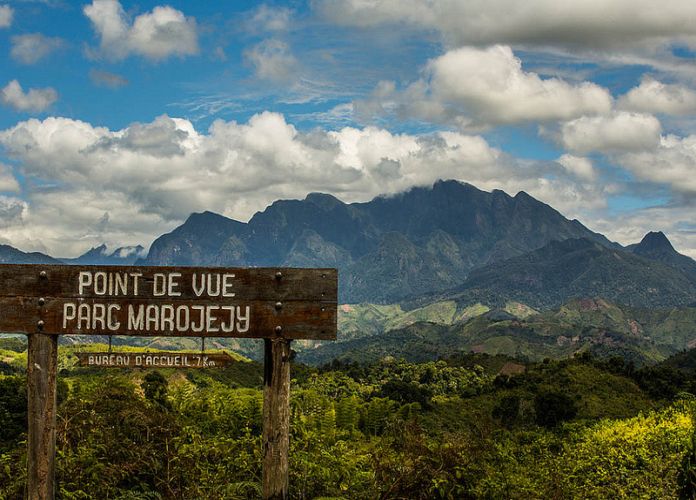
[(154, 359), (44, 301), (169, 301)]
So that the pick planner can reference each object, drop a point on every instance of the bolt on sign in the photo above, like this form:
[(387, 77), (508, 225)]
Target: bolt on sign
[(278, 305)]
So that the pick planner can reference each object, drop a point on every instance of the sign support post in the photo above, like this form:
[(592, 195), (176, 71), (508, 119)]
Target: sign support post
[(42, 368), (276, 418)]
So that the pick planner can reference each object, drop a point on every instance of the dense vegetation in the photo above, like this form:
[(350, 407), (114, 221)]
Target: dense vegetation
[(439, 329), (469, 426)]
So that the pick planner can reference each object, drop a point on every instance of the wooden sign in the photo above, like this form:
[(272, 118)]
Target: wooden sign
[(44, 301), (154, 359), (167, 301)]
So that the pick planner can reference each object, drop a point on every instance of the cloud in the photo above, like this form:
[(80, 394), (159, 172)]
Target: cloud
[(33, 101), (267, 19), (578, 166), (107, 79), (149, 177), (591, 24), (6, 14), (272, 60), (12, 211), (652, 96), (162, 33), (31, 48), (671, 162), (617, 132), (8, 182), (634, 142), (479, 87)]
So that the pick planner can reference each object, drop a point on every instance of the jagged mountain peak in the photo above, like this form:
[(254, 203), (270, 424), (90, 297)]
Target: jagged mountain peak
[(101, 255), (95, 251), (656, 246), (654, 241), (433, 235), (578, 267)]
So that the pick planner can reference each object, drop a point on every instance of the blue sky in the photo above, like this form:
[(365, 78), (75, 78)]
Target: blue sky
[(118, 119)]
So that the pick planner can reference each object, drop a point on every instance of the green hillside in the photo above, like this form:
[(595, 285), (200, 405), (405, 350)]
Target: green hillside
[(598, 326), (471, 426)]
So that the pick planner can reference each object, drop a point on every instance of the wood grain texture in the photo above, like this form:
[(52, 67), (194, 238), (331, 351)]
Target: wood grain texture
[(302, 302), (42, 364), (61, 281), (131, 359), (276, 418), (298, 320)]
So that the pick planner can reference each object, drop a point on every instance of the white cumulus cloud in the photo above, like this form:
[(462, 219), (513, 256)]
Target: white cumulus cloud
[(155, 35), (31, 48), (125, 187), (671, 162), (478, 87), (578, 166), (620, 131), (34, 100), (653, 96)]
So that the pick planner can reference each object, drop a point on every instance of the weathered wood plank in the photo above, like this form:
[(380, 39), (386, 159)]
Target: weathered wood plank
[(169, 318), (276, 418), (130, 359), (63, 281), (42, 364)]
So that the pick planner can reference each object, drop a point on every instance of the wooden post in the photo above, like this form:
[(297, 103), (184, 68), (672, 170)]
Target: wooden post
[(42, 364), (276, 418)]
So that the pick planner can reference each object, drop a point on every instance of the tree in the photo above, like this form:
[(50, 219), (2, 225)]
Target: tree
[(507, 410), (553, 407)]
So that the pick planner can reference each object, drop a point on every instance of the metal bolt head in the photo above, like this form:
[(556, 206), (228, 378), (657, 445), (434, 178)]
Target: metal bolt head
[(278, 306), (278, 275), (40, 324), (278, 329), (43, 274), (42, 301)]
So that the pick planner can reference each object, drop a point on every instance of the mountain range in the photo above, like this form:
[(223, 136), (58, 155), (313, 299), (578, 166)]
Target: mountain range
[(450, 241), (643, 275), (422, 241)]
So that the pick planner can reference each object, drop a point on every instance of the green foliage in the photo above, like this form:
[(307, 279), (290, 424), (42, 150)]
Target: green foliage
[(507, 409), (13, 409), (16, 344), (155, 388), (553, 407), (390, 429), (686, 479), (641, 336)]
